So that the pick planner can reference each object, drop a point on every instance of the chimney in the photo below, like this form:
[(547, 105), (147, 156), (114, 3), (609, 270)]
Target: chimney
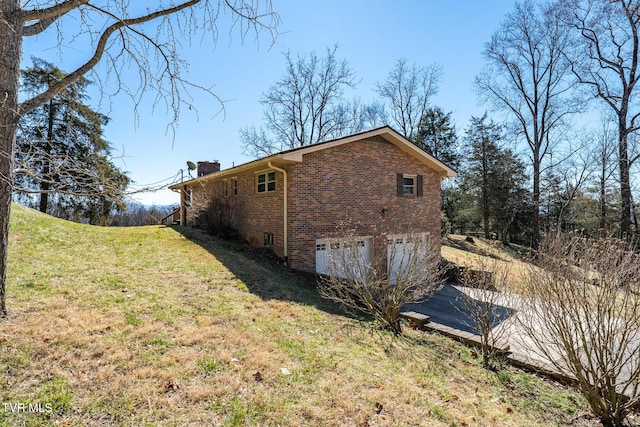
[(205, 168)]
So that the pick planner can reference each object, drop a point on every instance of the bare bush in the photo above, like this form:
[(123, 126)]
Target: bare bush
[(401, 269), (485, 304), (584, 318), (217, 210)]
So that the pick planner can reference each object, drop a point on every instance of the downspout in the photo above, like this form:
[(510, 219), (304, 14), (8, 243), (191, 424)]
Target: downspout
[(183, 206), (286, 240)]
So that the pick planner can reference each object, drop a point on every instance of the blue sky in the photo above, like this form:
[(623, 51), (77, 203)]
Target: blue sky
[(372, 35)]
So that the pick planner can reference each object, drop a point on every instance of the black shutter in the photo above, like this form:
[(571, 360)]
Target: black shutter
[(400, 181), (419, 191)]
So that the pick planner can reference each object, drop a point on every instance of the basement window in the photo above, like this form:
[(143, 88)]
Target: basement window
[(266, 182)]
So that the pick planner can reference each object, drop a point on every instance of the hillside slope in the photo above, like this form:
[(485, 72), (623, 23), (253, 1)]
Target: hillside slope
[(150, 326)]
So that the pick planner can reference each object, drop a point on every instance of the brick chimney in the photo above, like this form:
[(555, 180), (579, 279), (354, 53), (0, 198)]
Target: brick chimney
[(205, 168)]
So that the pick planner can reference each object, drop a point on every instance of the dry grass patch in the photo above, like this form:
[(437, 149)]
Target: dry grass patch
[(457, 250), (143, 326)]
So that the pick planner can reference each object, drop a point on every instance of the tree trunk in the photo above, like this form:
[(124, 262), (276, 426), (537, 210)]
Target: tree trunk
[(625, 185), (46, 167), (535, 221), (10, 54), (603, 194), (485, 188)]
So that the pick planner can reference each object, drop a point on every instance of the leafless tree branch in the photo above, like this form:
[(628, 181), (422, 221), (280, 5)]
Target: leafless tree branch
[(583, 317), (403, 268)]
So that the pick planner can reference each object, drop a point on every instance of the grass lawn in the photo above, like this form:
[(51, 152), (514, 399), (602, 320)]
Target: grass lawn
[(150, 326)]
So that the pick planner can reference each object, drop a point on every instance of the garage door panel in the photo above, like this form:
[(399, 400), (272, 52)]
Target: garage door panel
[(347, 259), (406, 255)]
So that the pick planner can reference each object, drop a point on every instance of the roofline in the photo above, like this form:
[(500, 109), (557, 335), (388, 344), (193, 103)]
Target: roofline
[(294, 155), (231, 171)]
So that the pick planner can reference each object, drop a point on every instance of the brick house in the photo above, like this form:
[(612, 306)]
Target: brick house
[(293, 201)]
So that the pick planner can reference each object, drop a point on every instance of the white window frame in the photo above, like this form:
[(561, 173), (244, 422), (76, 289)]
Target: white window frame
[(414, 186)]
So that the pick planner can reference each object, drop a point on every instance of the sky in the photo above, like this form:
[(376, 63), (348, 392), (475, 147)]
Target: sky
[(371, 34)]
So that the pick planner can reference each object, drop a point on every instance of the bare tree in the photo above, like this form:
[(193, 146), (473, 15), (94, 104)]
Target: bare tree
[(117, 34), (583, 317), (404, 268), (409, 89), (527, 76), (565, 181), (305, 106), (486, 304), (605, 147), (135, 214), (606, 61), (79, 182)]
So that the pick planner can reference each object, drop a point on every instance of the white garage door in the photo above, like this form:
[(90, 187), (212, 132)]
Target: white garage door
[(406, 254), (347, 259)]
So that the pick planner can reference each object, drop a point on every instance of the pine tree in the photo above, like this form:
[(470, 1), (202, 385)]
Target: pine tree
[(496, 176), (437, 136), (61, 155)]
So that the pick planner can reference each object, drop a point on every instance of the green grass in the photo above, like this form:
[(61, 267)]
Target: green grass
[(155, 326)]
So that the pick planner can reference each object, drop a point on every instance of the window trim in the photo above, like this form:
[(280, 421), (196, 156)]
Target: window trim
[(413, 185), (418, 181), (268, 239), (266, 183), (225, 187), (234, 185)]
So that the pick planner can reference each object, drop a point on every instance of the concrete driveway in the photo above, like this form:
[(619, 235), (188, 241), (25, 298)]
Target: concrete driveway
[(447, 315), (446, 307)]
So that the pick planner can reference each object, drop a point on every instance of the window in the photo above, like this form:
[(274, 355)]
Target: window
[(234, 185), (266, 182), (409, 185), (225, 186), (268, 239)]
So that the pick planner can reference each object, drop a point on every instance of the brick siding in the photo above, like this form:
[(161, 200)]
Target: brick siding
[(355, 182), (256, 213)]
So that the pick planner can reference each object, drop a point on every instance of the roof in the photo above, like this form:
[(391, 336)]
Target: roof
[(295, 155)]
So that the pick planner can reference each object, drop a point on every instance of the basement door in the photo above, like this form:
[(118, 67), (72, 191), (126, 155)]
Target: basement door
[(406, 253), (349, 259)]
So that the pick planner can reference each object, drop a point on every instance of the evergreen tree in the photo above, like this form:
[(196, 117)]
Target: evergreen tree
[(61, 155), (437, 136), (495, 178)]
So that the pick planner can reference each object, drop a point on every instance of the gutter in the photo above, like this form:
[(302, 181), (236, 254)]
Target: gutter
[(285, 213)]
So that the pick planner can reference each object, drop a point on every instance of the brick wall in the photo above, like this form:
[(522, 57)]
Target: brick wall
[(256, 213), (355, 182)]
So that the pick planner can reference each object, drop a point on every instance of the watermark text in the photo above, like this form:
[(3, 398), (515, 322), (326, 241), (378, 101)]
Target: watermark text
[(31, 408)]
